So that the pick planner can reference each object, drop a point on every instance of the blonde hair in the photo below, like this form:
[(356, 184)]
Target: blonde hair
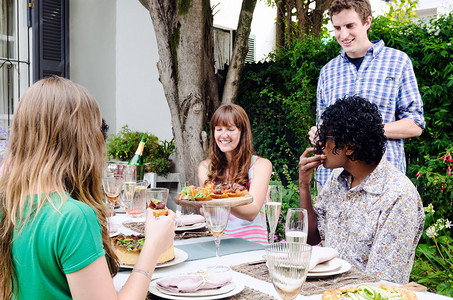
[(227, 115), (56, 146)]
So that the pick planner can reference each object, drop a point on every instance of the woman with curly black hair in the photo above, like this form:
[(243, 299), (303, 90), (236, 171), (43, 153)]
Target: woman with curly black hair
[(368, 210)]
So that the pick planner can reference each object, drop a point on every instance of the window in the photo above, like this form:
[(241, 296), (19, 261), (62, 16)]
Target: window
[(223, 47)]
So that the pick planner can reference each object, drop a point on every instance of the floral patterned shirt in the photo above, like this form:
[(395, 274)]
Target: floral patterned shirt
[(376, 225)]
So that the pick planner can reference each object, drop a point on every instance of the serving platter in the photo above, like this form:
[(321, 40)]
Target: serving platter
[(233, 201)]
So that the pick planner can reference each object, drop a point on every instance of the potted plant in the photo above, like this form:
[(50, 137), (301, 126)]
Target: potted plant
[(160, 162), (122, 146)]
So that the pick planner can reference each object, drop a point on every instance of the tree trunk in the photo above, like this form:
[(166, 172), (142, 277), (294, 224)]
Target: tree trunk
[(186, 68), (184, 34), (289, 23), (240, 50), (310, 20), (303, 22), (317, 16), (280, 23)]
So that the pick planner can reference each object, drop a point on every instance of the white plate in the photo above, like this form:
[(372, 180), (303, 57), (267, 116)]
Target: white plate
[(345, 266), (113, 234), (180, 256), (191, 227), (327, 266), (238, 288), (201, 293)]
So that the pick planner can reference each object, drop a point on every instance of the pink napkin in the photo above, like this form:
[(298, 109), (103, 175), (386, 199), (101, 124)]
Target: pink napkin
[(320, 255), (193, 282), (186, 220)]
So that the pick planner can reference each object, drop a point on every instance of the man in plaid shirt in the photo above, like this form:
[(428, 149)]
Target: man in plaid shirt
[(380, 74)]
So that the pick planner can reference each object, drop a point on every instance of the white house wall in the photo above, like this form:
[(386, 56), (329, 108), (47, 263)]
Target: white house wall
[(92, 55), (141, 102)]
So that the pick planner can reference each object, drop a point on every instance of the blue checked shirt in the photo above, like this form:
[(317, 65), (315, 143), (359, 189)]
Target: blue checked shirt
[(386, 78)]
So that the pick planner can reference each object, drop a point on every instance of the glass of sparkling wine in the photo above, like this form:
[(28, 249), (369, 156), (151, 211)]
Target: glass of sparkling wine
[(288, 267), (273, 207), (296, 226), (216, 216), (112, 187)]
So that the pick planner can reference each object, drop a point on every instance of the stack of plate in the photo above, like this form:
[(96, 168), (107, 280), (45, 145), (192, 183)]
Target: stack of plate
[(329, 268)]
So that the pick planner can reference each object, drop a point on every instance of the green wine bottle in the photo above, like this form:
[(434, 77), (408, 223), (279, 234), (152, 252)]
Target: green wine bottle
[(137, 159)]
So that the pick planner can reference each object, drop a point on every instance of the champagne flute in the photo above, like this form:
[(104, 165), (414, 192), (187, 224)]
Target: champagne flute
[(296, 226), (273, 207), (288, 265), (112, 188), (130, 182), (216, 216)]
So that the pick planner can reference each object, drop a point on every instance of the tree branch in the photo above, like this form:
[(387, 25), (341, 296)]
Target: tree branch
[(239, 52)]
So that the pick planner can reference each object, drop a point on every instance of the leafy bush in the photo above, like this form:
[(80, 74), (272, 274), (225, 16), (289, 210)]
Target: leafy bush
[(435, 182), (159, 165), (428, 44), (122, 146), (279, 97), (433, 266)]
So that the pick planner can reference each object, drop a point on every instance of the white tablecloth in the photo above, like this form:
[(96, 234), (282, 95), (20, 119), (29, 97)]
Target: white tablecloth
[(229, 260)]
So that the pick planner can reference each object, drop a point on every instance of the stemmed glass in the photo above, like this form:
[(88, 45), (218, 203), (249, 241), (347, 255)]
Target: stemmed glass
[(129, 185), (216, 216), (273, 207), (112, 188), (296, 226), (288, 265)]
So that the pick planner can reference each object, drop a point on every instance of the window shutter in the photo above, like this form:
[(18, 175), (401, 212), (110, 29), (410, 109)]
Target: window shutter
[(250, 57), (50, 38)]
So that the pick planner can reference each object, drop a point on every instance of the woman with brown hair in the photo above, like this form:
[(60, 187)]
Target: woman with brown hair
[(231, 159), (54, 242)]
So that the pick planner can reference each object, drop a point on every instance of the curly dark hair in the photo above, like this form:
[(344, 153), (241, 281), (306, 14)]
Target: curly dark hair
[(354, 122)]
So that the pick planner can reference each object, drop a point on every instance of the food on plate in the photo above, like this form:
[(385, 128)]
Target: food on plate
[(237, 190), (158, 207), (196, 193), (221, 190), (128, 247), (366, 291)]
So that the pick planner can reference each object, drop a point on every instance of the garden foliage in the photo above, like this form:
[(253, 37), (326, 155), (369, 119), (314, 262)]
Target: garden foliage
[(280, 99), (280, 96)]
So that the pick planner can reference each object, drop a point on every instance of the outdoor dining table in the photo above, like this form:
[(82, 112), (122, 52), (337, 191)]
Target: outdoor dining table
[(260, 289)]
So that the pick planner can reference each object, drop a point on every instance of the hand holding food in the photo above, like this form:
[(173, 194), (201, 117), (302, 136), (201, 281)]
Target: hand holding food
[(160, 232)]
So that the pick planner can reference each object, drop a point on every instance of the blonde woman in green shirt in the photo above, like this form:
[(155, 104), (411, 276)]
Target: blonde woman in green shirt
[(54, 242)]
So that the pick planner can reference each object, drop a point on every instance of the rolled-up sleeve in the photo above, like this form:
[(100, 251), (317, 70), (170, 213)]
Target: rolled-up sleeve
[(409, 101)]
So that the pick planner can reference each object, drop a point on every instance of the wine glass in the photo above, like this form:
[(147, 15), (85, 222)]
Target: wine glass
[(112, 187), (288, 265), (216, 216), (273, 207), (296, 226)]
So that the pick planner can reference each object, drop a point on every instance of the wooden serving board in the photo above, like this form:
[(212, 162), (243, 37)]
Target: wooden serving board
[(234, 201)]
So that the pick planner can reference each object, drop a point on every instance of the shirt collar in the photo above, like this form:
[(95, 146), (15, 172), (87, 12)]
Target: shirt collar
[(373, 183), (374, 50)]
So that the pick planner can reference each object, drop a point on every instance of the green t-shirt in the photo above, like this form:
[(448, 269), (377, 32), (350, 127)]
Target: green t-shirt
[(54, 244)]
